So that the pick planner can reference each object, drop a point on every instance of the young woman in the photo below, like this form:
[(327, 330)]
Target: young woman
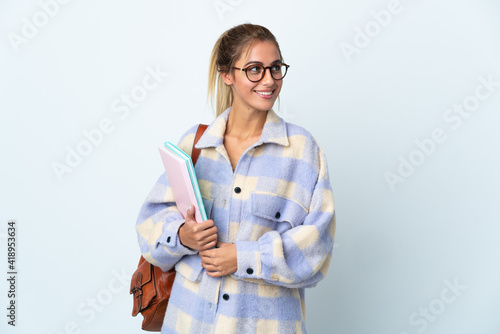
[(266, 190)]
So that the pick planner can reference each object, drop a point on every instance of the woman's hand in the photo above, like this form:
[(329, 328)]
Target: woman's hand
[(198, 236), (220, 261)]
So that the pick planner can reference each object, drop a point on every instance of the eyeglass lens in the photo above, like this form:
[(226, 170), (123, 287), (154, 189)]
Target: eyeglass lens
[(256, 72)]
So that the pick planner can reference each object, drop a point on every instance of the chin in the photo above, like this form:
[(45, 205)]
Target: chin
[(264, 106)]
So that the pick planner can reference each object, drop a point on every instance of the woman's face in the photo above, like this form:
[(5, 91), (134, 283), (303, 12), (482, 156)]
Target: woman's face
[(255, 96)]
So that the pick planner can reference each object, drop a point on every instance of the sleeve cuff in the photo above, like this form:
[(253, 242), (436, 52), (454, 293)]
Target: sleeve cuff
[(248, 258), (170, 239)]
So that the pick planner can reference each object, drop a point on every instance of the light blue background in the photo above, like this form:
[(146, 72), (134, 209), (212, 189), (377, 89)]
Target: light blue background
[(396, 248)]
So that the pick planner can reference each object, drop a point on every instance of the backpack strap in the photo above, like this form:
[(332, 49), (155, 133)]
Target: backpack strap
[(196, 151)]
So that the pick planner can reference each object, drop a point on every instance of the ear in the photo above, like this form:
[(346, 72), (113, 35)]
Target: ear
[(227, 78)]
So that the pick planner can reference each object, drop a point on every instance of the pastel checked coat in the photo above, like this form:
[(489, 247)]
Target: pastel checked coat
[(277, 207)]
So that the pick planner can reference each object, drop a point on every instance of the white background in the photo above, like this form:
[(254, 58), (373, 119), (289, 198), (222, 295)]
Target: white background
[(397, 248)]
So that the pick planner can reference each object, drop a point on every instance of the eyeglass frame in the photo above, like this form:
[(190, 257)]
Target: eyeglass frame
[(264, 72)]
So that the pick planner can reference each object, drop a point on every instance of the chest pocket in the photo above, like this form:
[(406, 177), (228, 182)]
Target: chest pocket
[(280, 212)]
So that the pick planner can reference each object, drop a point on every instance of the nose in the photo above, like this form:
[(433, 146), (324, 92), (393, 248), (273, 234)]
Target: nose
[(268, 78)]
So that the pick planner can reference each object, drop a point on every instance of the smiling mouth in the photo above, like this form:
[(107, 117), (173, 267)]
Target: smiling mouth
[(265, 93)]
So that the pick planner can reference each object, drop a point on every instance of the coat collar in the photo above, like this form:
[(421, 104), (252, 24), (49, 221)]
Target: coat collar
[(274, 131)]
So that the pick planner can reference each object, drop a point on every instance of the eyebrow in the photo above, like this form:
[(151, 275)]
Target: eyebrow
[(261, 63)]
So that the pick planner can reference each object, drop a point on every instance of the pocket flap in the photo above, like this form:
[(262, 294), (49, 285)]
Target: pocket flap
[(277, 208), (190, 267), (142, 276)]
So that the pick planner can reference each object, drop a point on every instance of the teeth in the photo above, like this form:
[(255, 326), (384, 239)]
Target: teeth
[(264, 93)]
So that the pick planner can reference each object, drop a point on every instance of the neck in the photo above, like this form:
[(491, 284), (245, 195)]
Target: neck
[(245, 123)]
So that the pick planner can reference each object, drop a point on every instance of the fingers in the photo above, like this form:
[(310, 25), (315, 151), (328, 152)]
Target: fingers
[(208, 225), (207, 233), (207, 254), (206, 228), (208, 243), (211, 268), (209, 257), (202, 235), (199, 236), (215, 273), (215, 270), (220, 261), (203, 242)]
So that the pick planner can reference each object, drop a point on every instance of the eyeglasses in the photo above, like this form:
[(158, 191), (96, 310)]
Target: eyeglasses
[(256, 72)]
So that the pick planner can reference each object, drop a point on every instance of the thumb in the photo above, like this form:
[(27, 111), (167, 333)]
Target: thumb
[(190, 212)]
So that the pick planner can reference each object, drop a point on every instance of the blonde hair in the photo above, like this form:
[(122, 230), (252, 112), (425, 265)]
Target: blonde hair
[(227, 50)]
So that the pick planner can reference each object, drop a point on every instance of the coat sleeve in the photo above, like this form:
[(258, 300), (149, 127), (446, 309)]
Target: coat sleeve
[(159, 220), (300, 256)]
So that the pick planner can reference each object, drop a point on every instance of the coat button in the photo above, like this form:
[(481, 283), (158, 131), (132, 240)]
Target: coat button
[(225, 296), (237, 190), (277, 215), (168, 239), (249, 271)]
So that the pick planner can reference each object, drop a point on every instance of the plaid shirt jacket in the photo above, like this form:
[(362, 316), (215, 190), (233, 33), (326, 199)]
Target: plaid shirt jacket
[(277, 207)]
